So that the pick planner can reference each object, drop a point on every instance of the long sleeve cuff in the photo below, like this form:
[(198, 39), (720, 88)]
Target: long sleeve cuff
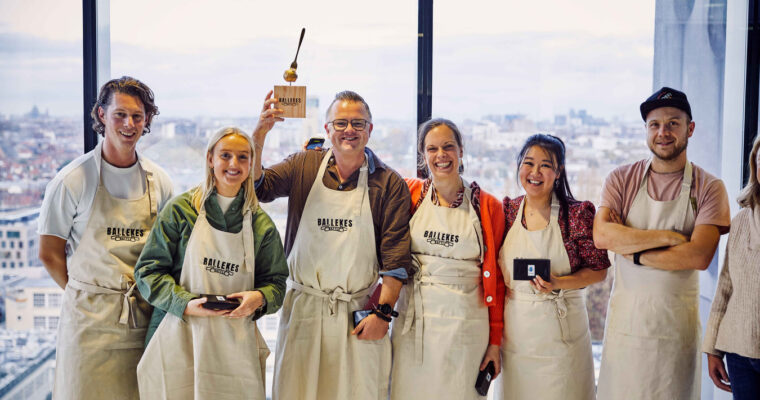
[(270, 295), (179, 303), (708, 343), (398, 273), (261, 179)]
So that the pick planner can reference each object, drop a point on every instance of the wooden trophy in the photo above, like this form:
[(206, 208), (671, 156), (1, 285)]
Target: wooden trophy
[(292, 98)]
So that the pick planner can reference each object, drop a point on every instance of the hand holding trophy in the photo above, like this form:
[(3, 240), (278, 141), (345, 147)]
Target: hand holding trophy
[(292, 99)]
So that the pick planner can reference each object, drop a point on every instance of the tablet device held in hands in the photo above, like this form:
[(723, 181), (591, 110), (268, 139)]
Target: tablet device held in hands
[(526, 269), (219, 302)]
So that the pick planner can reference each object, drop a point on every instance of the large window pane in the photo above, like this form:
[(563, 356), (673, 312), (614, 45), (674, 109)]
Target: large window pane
[(211, 64), (40, 131), (41, 96), (577, 70)]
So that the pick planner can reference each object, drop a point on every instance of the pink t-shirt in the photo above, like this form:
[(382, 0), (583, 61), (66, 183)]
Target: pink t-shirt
[(621, 186)]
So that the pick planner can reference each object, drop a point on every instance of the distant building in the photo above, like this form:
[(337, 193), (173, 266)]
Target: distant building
[(19, 243), (27, 362), (31, 304)]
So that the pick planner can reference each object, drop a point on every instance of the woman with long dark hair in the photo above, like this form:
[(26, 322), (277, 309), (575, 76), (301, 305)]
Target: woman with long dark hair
[(546, 351)]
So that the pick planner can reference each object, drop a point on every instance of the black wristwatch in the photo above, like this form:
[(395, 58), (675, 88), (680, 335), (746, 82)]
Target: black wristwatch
[(385, 312), (637, 257)]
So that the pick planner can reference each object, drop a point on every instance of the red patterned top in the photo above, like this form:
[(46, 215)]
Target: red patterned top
[(579, 240)]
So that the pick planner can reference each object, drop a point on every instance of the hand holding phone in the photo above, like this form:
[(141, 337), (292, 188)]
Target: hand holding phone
[(484, 379), (219, 302), (315, 143), (527, 269)]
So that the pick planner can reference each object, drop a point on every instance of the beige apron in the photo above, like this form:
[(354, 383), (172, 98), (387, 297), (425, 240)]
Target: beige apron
[(446, 302), (546, 352), (103, 317), (333, 266), (652, 335), (209, 357)]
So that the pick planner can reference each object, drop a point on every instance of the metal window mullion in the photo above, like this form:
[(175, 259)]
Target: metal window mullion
[(89, 69), (752, 86), (424, 66)]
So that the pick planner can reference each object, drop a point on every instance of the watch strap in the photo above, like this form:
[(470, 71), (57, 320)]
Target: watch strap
[(637, 257)]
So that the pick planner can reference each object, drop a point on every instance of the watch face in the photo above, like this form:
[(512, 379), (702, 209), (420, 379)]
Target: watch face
[(385, 309)]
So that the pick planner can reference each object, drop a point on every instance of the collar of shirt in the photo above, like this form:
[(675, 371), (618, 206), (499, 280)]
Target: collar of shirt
[(230, 219), (372, 164)]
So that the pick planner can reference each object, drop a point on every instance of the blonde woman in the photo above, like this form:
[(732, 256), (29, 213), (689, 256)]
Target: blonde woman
[(733, 329), (213, 239)]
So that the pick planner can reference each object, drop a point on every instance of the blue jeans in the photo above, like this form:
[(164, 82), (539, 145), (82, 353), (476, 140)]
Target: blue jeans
[(744, 373)]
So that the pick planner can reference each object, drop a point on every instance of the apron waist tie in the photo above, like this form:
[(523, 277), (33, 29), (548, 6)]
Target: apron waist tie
[(415, 310), (560, 302), (332, 296), (128, 303)]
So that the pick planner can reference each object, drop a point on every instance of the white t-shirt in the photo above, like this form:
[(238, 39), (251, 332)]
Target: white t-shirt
[(123, 183), (68, 197), (224, 202)]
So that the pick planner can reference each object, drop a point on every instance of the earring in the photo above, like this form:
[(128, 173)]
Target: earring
[(461, 165)]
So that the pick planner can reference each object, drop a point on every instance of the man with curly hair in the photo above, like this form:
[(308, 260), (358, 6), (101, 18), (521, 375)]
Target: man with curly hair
[(94, 220)]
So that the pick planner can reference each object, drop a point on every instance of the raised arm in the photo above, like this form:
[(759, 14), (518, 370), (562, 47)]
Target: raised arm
[(611, 234), (267, 119)]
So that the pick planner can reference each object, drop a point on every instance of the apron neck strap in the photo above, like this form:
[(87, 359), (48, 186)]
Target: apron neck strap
[(152, 197), (363, 171), (248, 248), (554, 217), (685, 183)]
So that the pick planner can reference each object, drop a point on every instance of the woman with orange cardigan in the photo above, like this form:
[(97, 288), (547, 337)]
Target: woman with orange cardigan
[(451, 316)]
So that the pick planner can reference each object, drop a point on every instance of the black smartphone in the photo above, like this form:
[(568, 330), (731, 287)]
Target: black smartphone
[(526, 269), (484, 379), (314, 143), (359, 315), (219, 302)]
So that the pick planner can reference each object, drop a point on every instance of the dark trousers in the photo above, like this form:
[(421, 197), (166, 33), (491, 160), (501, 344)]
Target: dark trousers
[(744, 373)]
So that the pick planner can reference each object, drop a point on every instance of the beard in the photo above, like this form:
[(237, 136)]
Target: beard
[(671, 155)]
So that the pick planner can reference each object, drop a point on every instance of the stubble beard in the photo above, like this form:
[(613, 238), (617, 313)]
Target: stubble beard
[(673, 155)]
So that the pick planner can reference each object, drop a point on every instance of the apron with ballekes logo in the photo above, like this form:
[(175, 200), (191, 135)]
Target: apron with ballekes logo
[(651, 341), (546, 350), (103, 317), (333, 267), (209, 357), (441, 337)]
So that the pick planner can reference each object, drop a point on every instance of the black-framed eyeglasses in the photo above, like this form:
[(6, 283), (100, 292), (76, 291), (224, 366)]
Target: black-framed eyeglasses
[(342, 124)]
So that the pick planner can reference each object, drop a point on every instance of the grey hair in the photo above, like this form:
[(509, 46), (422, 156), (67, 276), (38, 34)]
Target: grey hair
[(348, 95)]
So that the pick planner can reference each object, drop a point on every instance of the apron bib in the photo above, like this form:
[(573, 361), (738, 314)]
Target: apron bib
[(209, 357), (651, 341), (546, 351), (440, 338), (103, 317), (333, 267)]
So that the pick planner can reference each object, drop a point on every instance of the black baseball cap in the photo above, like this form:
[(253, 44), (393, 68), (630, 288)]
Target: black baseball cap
[(665, 97)]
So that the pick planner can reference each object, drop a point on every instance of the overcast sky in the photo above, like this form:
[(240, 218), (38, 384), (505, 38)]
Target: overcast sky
[(219, 58)]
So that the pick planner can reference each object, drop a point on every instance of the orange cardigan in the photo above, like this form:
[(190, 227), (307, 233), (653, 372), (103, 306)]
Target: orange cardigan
[(492, 222)]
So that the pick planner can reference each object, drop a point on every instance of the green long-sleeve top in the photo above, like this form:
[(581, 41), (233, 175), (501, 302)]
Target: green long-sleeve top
[(158, 269)]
